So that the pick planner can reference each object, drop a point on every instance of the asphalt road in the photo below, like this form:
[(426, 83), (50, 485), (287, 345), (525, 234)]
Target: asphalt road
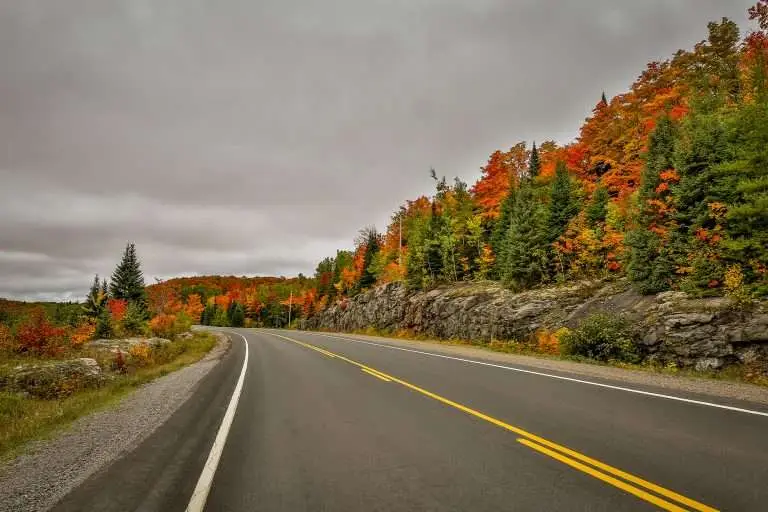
[(337, 424)]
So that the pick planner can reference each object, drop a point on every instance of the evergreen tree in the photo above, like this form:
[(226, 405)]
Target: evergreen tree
[(104, 289), (534, 163), (237, 318), (562, 205), (597, 209), (747, 209), (96, 300), (133, 322), (433, 257), (104, 328), (649, 264), (371, 241), (128, 280), (702, 147), (524, 258)]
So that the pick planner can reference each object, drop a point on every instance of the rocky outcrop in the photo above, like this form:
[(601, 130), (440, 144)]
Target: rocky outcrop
[(671, 327), (55, 379)]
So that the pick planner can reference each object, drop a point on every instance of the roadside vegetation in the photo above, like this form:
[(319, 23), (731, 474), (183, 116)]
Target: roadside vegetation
[(601, 339), (60, 361)]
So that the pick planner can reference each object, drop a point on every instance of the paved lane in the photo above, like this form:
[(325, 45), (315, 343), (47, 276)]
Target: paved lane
[(341, 424)]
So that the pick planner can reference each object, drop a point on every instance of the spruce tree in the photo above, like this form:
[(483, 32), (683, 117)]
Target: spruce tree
[(237, 318), (95, 301), (524, 257), (597, 209), (371, 240), (128, 280), (534, 163), (562, 205), (702, 147), (650, 265)]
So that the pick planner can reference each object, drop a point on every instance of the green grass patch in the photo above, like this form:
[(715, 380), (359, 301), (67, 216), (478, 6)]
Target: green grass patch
[(23, 419)]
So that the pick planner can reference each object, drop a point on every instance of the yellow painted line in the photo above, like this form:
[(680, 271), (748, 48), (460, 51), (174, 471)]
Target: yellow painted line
[(376, 374), (695, 505), (602, 476)]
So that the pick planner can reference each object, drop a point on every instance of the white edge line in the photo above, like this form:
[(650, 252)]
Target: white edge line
[(204, 483), (552, 376)]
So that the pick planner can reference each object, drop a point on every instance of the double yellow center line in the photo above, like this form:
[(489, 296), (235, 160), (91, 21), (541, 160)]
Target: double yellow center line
[(655, 494)]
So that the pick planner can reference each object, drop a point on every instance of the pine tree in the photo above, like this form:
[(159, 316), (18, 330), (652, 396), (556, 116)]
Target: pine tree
[(96, 300), (368, 277), (650, 265), (134, 322), (534, 163), (597, 209), (237, 318), (747, 210), (702, 147), (524, 257), (562, 205), (128, 280)]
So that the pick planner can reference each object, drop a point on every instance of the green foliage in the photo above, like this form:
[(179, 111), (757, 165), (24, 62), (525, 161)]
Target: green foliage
[(597, 209), (236, 315), (650, 265), (96, 301), (524, 258), (134, 323), (128, 280), (601, 337), (371, 239), (534, 163), (563, 205), (104, 328)]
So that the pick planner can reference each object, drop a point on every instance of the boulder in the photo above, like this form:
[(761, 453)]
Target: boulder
[(56, 379)]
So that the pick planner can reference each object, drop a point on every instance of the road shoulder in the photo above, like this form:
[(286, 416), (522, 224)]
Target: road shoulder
[(699, 386), (51, 468)]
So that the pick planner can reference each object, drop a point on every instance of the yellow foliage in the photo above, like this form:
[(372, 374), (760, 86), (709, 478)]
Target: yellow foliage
[(141, 353)]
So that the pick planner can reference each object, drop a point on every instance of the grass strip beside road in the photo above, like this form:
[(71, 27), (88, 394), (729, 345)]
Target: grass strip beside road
[(613, 476), (23, 419)]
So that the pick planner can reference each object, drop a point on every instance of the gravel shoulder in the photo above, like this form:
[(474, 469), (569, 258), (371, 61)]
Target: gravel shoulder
[(49, 469), (698, 385)]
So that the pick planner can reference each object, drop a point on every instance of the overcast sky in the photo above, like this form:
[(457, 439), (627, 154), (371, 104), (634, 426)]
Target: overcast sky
[(256, 137)]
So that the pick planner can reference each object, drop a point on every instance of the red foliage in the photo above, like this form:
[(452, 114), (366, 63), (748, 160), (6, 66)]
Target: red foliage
[(39, 336), (117, 308)]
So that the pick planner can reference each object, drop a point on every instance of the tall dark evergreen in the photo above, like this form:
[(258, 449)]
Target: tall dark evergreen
[(127, 279), (368, 277), (524, 257), (534, 163), (650, 264), (563, 205)]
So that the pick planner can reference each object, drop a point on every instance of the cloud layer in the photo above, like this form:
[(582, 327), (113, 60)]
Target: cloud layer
[(241, 137)]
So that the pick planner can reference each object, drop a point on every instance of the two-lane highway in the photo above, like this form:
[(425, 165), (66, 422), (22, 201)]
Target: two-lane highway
[(335, 423)]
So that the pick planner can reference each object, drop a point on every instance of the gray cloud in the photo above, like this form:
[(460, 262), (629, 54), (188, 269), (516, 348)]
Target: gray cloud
[(256, 137)]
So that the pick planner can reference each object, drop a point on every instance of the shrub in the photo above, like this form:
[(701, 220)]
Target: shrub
[(602, 337), (7, 343), (134, 322), (548, 342), (141, 353), (163, 325), (82, 333), (38, 336), (735, 288)]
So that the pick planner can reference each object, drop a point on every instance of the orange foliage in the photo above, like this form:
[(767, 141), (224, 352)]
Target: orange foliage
[(502, 172), (194, 307), (83, 333), (162, 325)]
